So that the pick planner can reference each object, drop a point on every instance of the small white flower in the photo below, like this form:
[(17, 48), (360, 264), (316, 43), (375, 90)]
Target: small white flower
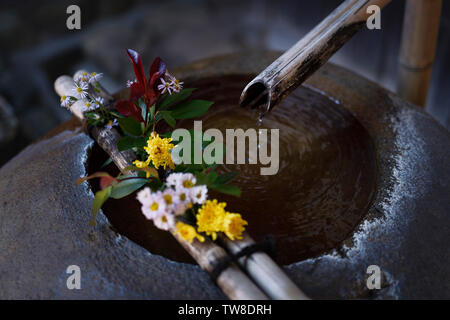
[(95, 77), (153, 204), (165, 221), (181, 181), (111, 123), (165, 86), (175, 84), (65, 101), (84, 77), (80, 90), (198, 194), (97, 102), (130, 83), (170, 77), (87, 106)]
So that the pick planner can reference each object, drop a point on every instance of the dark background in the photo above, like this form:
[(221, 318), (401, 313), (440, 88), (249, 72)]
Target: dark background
[(36, 47)]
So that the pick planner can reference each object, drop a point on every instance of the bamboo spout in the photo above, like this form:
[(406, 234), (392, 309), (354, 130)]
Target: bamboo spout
[(294, 66)]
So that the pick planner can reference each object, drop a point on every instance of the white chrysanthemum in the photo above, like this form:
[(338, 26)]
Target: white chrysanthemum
[(172, 179), (198, 194), (170, 197), (95, 77), (153, 204), (144, 195), (165, 86), (180, 208), (80, 90), (184, 202), (165, 221), (65, 101), (181, 181)]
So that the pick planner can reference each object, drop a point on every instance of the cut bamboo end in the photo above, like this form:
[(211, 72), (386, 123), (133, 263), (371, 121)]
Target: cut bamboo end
[(299, 62)]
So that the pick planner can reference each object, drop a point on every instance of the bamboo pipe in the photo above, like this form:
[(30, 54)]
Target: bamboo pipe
[(233, 282), (419, 40), (264, 271), (295, 65)]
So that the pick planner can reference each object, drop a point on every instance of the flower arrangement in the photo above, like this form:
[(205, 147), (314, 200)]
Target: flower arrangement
[(173, 196)]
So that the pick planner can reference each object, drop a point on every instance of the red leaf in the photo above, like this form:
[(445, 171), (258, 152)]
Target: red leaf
[(158, 66), (128, 108), (157, 70), (105, 182), (136, 91), (138, 68), (152, 89)]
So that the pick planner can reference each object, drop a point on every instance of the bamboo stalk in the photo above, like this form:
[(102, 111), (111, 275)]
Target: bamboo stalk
[(233, 282), (418, 47), (295, 65), (264, 271)]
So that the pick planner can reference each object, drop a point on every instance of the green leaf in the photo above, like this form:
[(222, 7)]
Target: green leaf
[(99, 199), (126, 187), (176, 98), (107, 162), (207, 179), (143, 106), (226, 177), (168, 117), (131, 126), (191, 109), (226, 189), (127, 142), (152, 112)]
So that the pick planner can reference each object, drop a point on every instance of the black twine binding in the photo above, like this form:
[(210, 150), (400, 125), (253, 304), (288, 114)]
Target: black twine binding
[(267, 246)]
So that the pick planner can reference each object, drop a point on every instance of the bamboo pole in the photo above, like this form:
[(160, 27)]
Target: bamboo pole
[(418, 47), (233, 282), (295, 65), (264, 271)]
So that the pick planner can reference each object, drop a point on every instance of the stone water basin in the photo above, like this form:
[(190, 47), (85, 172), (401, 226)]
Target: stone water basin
[(363, 180)]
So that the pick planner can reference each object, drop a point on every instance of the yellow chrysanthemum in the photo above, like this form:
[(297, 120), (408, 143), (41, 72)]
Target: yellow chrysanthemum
[(210, 218), (234, 225), (149, 171), (141, 164), (187, 232), (158, 150)]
